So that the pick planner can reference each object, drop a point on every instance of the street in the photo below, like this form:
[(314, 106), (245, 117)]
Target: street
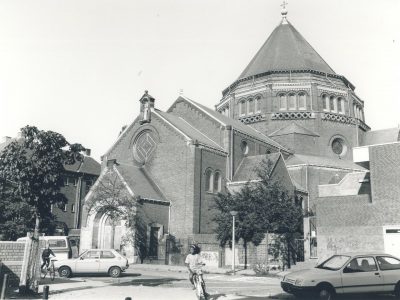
[(146, 284)]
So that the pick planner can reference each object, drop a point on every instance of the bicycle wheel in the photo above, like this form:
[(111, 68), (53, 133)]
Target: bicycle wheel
[(43, 273), (52, 272)]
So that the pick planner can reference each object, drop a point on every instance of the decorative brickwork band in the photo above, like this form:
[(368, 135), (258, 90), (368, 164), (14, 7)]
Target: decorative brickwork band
[(294, 115), (252, 119), (338, 118)]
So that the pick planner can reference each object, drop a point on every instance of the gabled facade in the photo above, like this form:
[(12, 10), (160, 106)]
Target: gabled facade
[(187, 154)]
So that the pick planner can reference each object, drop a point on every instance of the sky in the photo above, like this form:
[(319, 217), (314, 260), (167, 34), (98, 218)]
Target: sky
[(79, 67)]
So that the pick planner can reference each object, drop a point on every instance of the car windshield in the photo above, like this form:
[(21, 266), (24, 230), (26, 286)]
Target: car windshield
[(334, 263)]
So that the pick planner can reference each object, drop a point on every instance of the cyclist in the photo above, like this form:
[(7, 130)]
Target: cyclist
[(194, 262), (46, 256)]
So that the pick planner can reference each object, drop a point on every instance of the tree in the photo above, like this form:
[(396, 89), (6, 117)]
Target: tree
[(34, 164), (110, 197), (262, 206)]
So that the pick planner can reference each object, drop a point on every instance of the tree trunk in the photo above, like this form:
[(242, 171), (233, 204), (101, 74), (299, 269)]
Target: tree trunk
[(245, 254)]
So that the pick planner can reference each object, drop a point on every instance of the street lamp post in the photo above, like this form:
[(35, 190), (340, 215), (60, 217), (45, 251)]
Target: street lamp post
[(233, 213)]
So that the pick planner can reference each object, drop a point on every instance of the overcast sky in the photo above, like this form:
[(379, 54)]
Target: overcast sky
[(79, 67)]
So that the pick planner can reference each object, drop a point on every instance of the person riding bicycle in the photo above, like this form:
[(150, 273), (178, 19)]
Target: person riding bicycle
[(46, 256), (194, 262)]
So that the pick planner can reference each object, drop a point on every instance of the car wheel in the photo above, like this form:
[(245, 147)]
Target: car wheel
[(397, 291), (64, 272), (325, 293), (114, 272)]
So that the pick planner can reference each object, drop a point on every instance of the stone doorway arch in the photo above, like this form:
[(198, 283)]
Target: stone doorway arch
[(107, 233)]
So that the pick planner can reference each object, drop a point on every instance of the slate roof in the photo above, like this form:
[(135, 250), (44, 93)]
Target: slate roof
[(248, 167), (234, 123), (189, 130), (382, 136), (301, 159), (286, 49), (293, 128), (140, 182), (88, 165)]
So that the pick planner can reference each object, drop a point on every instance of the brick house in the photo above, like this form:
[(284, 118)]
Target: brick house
[(289, 105)]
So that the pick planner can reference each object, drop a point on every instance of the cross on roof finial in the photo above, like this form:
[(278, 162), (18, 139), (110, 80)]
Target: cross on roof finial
[(284, 12)]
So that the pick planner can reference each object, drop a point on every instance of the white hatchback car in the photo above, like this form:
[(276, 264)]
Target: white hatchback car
[(93, 261), (347, 273)]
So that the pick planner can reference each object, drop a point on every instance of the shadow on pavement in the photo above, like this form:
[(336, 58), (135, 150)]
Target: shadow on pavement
[(215, 296), (148, 282)]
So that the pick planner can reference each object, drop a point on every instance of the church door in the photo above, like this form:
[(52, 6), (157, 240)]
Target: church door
[(153, 249)]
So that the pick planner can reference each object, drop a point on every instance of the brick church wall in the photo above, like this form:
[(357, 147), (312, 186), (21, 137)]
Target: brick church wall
[(204, 200), (11, 257), (172, 168)]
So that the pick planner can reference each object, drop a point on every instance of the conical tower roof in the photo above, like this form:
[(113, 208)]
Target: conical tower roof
[(286, 50)]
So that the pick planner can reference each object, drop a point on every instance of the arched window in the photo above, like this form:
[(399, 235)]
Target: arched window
[(325, 102), (217, 181), (244, 147), (339, 105), (282, 102), (258, 104), (332, 104), (209, 180), (242, 108), (250, 106), (302, 101), (292, 101), (355, 111)]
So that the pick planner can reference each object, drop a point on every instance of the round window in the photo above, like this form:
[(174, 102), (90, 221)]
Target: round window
[(338, 146), (245, 147)]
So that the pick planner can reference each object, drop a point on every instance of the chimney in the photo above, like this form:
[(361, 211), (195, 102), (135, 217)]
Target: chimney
[(6, 139), (111, 162), (88, 152)]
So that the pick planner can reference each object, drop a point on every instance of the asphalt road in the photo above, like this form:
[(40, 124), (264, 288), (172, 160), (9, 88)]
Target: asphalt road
[(152, 284)]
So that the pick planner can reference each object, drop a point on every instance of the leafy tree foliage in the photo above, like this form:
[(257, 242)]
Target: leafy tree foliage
[(34, 163), (262, 206)]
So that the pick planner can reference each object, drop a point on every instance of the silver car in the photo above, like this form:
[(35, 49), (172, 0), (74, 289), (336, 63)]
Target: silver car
[(347, 273), (93, 261)]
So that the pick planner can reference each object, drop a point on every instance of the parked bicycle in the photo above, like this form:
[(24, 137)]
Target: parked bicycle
[(199, 285), (49, 269)]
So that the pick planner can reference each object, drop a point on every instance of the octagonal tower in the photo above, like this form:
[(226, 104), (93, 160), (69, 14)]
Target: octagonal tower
[(291, 94)]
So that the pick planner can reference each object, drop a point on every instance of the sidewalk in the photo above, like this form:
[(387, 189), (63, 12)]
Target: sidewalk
[(207, 270)]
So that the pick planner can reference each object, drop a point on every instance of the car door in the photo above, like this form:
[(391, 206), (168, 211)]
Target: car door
[(361, 275), (107, 260), (390, 270), (88, 262)]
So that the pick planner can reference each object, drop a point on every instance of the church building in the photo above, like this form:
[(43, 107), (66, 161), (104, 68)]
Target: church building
[(289, 106)]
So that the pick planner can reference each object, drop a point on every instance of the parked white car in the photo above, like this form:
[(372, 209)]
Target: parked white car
[(93, 261), (347, 273)]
